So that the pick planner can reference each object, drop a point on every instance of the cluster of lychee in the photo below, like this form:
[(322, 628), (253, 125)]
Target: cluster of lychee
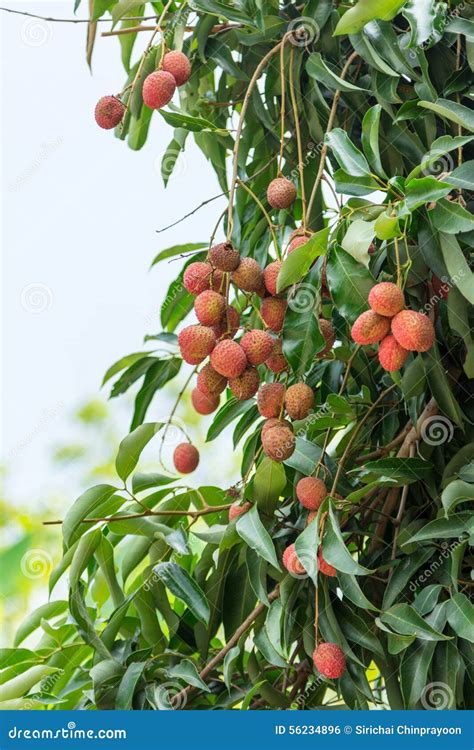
[(158, 89), (397, 331)]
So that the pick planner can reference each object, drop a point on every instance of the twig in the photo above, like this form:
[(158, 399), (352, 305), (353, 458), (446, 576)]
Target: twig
[(128, 516), (218, 29), (75, 20), (264, 212), (298, 138)]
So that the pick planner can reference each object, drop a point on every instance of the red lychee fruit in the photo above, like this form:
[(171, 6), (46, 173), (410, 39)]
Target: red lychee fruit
[(245, 386), (196, 343), (386, 299), (229, 324), (204, 403), (209, 307), (197, 277), (291, 562), (370, 327), (185, 458), (158, 89), (414, 331), (228, 359), (210, 382), (275, 422), (178, 65), (299, 400), (276, 361), (324, 567), (270, 276), (257, 345), (278, 441), (270, 399), (224, 257), (237, 509), (281, 193), (297, 242), (392, 356), (327, 329), (311, 492), (248, 275), (109, 112), (329, 660), (273, 311)]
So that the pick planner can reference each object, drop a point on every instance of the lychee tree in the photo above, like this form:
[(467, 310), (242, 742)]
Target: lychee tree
[(326, 321)]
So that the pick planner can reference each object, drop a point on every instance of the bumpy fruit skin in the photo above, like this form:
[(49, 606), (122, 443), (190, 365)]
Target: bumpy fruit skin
[(178, 65), (311, 492), (299, 400), (196, 343), (392, 356), (204, 403), (297, 242), (209, 307), (324, 567), (291, 562), (270, 400), (327, 329), (236, 509), (275, 422), (270, 276), (414, 331), (281, 193), (158, 89), (245, 386), (276, 361), (224, 257), (228, 359), (278, 442), (386, 299), (257, 345), (185, 458), (273, 311), (200, 276), (228, 325), (329, 660), (109, 112), (370, 327), (248, 276), (210, 382)]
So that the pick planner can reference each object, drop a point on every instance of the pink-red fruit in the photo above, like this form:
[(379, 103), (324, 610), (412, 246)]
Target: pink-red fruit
[(270, 399), (299, 400), (109, 112), (178, 65), (224, 257), (185, 458), (276, 361), (257, 345), (196, 343), (291, 562), (248, 275), (297, 241), (329, 660), (158, 89), (209, 307), (228, 359), (370, 327), (324, 567), (281, 193), (329, 334), (236, 509), (392, 356), (278, 441), (311, 492), (413, 330), (270, 276), (229, 324), (200, 276), (245, 386), (273, 311), (204, 403), (210, 382), (386, 299)]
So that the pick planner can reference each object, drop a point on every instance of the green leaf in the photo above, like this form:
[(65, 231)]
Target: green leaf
[(365, 11), (348, 156), (427, 21), (180, 583), (297, 264), (83, 555), (123, 363), (425, 190), (402, 470), (445, 528), (128, 683), (132, 446), (451, 217), (452, 111), (317, 69), (186, 670), (23, 683), (371, 138), (387, 227), (463, 176), (226, 415), (268, 484), (33, 620), (358, 239), (456, 492), (440, 386), (347, 184), (352, 591), (302, 337), (157, 376), (437, 153), (94, 502), (458, 269), (253, 532), (229, 663), (460, 612), (349, 283), (172, 252), (463, 26), (306, 546), (142, 482), (194, 124), (335, 550), (403, 619), (402, 574)]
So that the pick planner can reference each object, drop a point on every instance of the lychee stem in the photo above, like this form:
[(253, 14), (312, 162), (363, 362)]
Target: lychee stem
[(265, 213), (298, 136), (282, 107), (173, 412)]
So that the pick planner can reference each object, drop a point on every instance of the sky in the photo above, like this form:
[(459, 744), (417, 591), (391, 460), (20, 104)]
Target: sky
[(80, 210)]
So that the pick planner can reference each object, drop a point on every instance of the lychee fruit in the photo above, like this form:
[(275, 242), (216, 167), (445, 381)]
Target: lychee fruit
[(329, 334), (270, 276), (278, 441), (210, 382), (228, 359), (237, 509), (248, 275), (196, 343), (158, 89), (370, 327), (392, 356), (209, 307), (270, 399), (324, 567), (386, 299), (311, 492), (297, 242), (273, 311), (197, 277), (229, 324), (413, 330), (257, 345), (276, 361), (275, 422), (281, 193), (329, 660), (178, 65), (109, 112), (291, 562), (245, 386), (299, 400), (224, 257), (204, 403), (185, 458)]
